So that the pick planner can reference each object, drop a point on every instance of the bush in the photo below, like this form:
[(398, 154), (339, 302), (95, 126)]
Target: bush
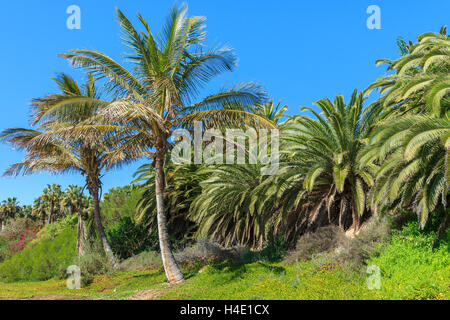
[(324, 240), (41, 260), (128, 238), (203, 252), (373, 235), (273, 252), (50, 231), (119, 202), (15, 236), (93, 262), (144, 260)]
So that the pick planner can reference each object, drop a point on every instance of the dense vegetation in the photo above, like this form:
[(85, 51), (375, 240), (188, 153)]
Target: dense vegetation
[(347, 177)]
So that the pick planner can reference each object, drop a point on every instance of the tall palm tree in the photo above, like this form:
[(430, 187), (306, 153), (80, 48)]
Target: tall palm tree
[(52, 196), (156, 96), (47, 149)]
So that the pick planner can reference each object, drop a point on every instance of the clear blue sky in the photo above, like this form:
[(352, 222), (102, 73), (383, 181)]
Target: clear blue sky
[(300, 50)]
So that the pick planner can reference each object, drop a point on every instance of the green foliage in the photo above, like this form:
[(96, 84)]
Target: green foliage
[(93, 262), (119, 202), (128, 238), (144, 260), (410, 269), (51, 231), (42, 259), (183, 186)]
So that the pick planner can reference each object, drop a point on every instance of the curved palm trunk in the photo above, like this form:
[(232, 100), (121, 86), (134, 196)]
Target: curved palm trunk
[(173, 272)]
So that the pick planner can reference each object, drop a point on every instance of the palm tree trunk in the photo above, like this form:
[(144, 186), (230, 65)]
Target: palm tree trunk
[(173, 272), (50, 213), (81, 235), (441, 230), (98, 221)]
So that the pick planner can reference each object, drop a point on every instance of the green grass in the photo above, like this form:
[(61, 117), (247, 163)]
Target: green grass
[(409, 270)]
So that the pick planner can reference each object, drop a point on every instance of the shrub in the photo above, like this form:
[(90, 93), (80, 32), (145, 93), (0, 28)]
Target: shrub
[(274, 251), (50, 231), (373, 235), (203, 252), (143, 260), (93, 262), (325, 239), (41, 259), (128, 238), (15, 236), (119, 202)]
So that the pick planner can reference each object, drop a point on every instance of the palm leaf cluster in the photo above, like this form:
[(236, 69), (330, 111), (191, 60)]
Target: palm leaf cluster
[(420, 79)]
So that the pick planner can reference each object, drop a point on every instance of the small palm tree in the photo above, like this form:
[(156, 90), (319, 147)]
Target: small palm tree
[(224, 210), (75, 200), (40, 210), (156, 96), (52, 196), (321, 175), (8, 210)]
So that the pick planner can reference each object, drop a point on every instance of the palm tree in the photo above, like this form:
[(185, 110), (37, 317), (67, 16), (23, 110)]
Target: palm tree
[(270, 111), (75, 200), (412, 144), (156, 96), (224, 210), (40, 210), (26, 211), (414, 173), (321, 176), (8, 210), (52, 196), (48, 149)]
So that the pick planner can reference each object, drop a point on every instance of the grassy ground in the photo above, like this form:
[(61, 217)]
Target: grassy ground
[(252, 281), (256, 281), (409, 269)]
